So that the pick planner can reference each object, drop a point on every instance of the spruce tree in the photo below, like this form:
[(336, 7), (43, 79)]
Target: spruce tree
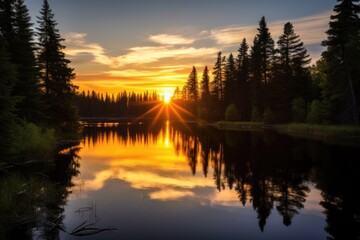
[(56, 75), (27, 88), (291, 73), (230, 92), (192, 85), (205, 100), (342, 89), (217, 83), (204, 85), (243, 102), (261, 62), (8, 77)]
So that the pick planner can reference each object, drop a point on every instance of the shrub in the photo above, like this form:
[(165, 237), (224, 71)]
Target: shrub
[(231, 113), (33, 143), (298, 110), (269, 117), (316, 112), (255, 116)]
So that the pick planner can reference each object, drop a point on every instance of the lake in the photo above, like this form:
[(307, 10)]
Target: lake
[(182, 181)]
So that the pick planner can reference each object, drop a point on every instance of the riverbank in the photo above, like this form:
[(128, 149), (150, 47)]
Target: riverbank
[(323, 132)]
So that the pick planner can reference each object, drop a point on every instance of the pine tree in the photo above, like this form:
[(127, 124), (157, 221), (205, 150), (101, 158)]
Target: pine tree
[(230, 93), (27, 88), (7, 25), (291, 73), (205, 85), (217, 83), (261, 62), (342, 89), (192, 85), (8, 77), (243, 102), (56, 74), (205, 100)]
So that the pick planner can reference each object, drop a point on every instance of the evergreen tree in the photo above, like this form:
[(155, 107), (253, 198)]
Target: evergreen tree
[(27, 87), (230, 93), (243, 71), (262, 53), (205, 87), (342, 56), (192, 85), (7, 19), (291, 73), (205, 101), (217, 83), (8, 77), (56, 74)]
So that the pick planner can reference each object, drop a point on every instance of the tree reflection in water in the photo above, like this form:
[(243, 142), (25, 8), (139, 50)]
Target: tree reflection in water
[(267, 170)]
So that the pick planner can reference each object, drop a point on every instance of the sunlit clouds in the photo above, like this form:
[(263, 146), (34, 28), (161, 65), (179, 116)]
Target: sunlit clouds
[(168, 39), (165, 60)]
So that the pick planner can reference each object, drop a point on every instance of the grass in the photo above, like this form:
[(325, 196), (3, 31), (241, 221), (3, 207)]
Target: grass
[(239, 125), (331, 133), (342, 131)]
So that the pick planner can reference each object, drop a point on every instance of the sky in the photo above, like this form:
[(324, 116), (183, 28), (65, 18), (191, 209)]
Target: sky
[(139, 45)]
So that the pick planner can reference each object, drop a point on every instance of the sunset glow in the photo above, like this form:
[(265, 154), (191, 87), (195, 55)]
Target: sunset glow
[(156, 50), (167, 97)]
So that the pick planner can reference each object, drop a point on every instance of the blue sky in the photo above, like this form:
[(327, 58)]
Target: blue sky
[(152, 44)]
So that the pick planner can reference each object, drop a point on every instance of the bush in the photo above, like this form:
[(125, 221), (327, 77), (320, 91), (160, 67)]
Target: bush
[(298, 110), (255, 116), (231, 113), (33, 143), (316, 112), (269, 117)]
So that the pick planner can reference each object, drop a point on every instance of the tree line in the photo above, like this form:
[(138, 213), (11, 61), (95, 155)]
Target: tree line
[(122, 105), (35, 76), (274, 83)]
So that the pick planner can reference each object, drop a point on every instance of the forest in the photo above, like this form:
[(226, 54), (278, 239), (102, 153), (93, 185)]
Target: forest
[(37, 94), (272, 82)]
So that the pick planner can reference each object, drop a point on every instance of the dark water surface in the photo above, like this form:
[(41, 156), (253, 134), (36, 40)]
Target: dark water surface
[(177, 181)]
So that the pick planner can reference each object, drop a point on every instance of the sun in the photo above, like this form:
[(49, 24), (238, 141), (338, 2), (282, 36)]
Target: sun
[(167, 97)]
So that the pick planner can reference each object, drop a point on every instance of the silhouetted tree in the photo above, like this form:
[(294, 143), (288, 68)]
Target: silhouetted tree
[(8, 77), (342, 88), (30, 106), (230, 83), (56, 75), (192, 85), (243, 73), (291, 74), (261, 61)]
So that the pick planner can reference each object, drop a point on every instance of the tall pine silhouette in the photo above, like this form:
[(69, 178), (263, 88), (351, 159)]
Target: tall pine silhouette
[(342, 89), (56, 75)]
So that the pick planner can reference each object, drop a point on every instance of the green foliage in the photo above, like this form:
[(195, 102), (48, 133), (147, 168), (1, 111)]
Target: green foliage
[(231, 113), (33, 142), (8, 77), (316, 114), (255, 115), (269, 117), (298, 110)]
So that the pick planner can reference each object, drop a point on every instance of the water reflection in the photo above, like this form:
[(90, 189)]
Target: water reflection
[(33, 197), (199, 177)]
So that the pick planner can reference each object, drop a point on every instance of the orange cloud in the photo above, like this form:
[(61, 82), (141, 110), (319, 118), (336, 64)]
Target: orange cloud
[(168, 39)]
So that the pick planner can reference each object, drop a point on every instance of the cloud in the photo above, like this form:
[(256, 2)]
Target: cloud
[(77, 45), (311, 30), (167, 39), (142, 55)]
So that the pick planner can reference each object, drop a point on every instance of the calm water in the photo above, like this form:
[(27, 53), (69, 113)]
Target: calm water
[(175, 181)]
